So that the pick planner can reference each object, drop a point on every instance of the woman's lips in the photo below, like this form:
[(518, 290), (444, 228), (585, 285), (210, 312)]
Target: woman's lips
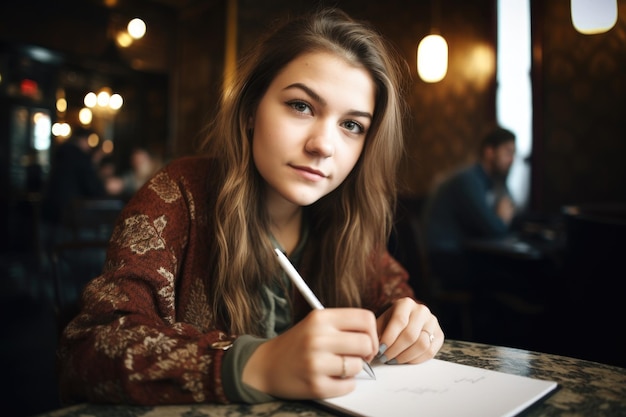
[(309, 173)]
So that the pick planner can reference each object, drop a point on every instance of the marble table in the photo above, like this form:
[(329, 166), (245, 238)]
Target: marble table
[(585, 388)]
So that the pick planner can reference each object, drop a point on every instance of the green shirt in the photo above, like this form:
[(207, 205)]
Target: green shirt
[(277, 319)]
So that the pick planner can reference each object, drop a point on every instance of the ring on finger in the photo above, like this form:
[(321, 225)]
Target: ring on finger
[(344, 371), (431, 336)]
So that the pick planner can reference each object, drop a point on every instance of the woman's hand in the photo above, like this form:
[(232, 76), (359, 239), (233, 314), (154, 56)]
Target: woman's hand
[(316, 358), (410, 333)]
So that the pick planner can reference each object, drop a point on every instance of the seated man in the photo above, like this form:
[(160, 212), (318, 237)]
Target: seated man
[(473, 202)]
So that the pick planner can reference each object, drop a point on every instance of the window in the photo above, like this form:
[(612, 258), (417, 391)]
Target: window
[(514, 94)]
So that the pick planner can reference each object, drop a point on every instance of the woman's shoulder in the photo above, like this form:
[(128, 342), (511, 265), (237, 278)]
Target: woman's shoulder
[(190, 167), (189, 164), (189, 172)]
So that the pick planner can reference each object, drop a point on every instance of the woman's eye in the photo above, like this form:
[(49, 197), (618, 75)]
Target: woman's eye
[(353, 126), (300, 106)]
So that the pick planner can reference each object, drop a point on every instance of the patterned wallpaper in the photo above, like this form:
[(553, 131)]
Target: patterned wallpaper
[(581, 142)]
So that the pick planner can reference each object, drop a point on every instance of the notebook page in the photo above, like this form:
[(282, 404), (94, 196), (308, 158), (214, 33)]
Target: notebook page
[(440, 388)]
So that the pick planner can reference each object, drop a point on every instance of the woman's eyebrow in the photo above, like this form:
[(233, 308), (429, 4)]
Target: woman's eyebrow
[(316, 97), (308, 91)]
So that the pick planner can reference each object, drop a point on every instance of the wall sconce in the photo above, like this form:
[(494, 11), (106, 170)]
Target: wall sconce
[(432, 52), (591, 17)]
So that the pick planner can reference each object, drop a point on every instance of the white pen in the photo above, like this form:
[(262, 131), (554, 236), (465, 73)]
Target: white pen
[(308, 295)]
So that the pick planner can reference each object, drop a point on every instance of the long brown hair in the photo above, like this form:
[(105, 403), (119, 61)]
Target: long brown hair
[(348, 225)]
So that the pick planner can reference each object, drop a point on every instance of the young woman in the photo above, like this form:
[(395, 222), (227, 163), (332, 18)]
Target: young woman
[(192, 305)]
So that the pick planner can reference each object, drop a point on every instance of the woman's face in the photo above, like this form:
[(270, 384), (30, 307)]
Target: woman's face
[(310, 127)]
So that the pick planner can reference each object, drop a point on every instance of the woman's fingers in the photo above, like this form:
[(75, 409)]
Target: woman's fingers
[(401, 324), (320, 355), (427, 345), (410, 333), (316, 358), (344, 366), (346, 331)]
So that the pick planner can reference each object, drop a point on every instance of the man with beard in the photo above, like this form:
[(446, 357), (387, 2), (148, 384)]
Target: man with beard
[(472, 203)]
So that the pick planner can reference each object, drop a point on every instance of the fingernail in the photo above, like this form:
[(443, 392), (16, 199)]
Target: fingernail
[(394, 361), (381, 349), (383, 358)]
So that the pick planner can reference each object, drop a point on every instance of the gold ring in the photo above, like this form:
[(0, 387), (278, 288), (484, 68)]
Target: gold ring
[(431, 336), (343, 368)]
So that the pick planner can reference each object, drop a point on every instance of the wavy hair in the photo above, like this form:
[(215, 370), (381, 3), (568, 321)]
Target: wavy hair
[(350, 224)]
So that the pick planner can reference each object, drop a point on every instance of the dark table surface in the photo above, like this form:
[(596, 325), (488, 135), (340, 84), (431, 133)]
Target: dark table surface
[(516, 246), (585, 388)]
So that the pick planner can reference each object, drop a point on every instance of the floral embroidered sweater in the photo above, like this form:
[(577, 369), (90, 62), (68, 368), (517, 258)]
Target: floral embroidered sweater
[(145, 333)]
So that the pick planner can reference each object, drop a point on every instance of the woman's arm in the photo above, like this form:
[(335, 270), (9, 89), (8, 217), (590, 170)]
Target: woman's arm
[(391, 283), (145, 334)]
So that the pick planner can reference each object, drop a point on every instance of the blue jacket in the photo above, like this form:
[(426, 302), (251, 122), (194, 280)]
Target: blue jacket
[(462, 207)]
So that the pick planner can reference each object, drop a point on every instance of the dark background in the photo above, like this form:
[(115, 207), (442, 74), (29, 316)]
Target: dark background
[(171, 78), (170, 81)]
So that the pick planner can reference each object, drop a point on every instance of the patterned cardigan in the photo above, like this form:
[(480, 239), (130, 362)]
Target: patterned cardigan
[(145, 333)]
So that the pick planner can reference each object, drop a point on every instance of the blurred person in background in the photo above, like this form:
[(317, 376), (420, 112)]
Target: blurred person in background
[(34, 171), (474, 202), (143, 165), (73, 175)]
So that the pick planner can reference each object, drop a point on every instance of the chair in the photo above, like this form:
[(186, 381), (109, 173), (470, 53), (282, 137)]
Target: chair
[(408, 246), (73, 264), (487, 314), (77, 254), (92, 219)]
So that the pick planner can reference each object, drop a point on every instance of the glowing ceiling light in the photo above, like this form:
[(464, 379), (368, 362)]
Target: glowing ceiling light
[(136, 28), (116, 101), (90, 99), (591, 17), (123, 39), (85, 116), (432, 58), (61, 105), (103, 98)]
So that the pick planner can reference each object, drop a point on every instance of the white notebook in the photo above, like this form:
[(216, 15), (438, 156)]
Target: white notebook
[(440, 388)]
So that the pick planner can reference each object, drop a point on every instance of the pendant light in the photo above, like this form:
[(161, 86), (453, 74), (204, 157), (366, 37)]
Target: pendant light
[(591, 17), (432, 51)]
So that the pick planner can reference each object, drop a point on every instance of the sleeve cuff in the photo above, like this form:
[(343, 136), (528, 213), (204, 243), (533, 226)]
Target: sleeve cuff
[(233, 363)]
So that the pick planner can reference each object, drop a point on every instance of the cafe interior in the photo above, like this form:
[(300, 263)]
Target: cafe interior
[(148, 74)]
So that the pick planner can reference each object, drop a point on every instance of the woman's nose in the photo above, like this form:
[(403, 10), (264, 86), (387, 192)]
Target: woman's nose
[(321, 141)]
